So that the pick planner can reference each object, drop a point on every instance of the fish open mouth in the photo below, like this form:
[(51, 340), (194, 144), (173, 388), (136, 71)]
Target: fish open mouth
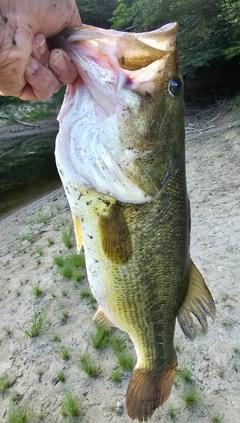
[(116, 70)]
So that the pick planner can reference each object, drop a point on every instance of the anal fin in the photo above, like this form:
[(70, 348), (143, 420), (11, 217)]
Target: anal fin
[(198, 301), (78, 232), (148, 390), (100, 319)]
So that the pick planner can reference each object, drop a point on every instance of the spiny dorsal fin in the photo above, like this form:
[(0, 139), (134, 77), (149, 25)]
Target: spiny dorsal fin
[(199, 302), (78, 232), (148, 390), (115, 236), (100, 319)]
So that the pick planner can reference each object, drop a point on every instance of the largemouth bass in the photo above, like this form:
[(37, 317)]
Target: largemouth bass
[(121, 156)]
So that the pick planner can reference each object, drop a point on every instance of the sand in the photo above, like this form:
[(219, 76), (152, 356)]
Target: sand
[(31, 237)]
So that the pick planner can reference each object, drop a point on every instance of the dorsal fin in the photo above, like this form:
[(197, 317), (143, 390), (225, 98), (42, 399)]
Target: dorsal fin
[(199, 302)]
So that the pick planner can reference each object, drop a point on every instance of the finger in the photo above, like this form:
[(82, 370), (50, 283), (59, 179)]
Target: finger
[(43, 83), (40, 49), (62, 66)]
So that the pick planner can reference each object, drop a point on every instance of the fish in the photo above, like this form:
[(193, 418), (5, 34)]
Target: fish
[(120, 153)]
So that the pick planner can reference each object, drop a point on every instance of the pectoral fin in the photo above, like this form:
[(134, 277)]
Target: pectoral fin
[(199, 302), (115, 236), (78, 233), (100, 319)]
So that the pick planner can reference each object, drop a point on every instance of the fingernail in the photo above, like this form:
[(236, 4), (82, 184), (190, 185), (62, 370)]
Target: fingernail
[(58, 60), (39, 39), (33, 64), (41, 43)]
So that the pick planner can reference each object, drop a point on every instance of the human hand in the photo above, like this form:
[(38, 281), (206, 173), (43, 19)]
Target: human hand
[(27, 68)]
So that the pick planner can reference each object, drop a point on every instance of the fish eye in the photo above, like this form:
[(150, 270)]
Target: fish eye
[(175, 87)]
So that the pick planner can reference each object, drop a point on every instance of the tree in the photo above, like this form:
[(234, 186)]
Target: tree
[(96, 12)]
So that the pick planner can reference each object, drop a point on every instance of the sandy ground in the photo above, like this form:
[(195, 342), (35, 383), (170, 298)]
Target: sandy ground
[(26, 260)]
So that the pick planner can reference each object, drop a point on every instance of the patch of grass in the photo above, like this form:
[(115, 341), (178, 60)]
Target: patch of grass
[(77, 276), (8, 331), (29, 237), (58, 260), (70, 406), (100, 338), (117, 344), (64, 352), (18, 415), (89, 366), (228, 324), (50, 241), (177, 347), (39, 324), (64, 293), (116, 375), (171, 413), (37, 291), (64, 317), (67, 271), (66, 237), (43, 218), (216, 419), (85, 293), (5, 383), (39, 251), (185, 374), (40, 372), (76, 260), (14, 397), (38, 261), (192, 396), (221, 373), (61, 377), (55, 338), (126, 360)]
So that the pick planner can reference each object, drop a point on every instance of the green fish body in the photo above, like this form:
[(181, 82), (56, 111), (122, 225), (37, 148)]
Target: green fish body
[(121, 155)]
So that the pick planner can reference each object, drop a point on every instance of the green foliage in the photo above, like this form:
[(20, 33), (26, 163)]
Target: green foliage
[(70, 407), (191, 396), (89, 366), (64, 352), (126, 360), (185, 374), (67, 271), (117, 344), (209, 29), (216, 419), (39, 324), (58, 260), (171, 413), (37, 291), (66, 237), (95, 12), (85, 293), (116, 375), (100, 338), (61, 376), (5, 383), (18, 415)]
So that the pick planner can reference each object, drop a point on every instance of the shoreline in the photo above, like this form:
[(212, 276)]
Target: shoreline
[(18, 131)]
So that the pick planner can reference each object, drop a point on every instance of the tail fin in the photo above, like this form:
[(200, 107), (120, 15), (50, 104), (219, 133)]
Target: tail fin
[(148, 390)]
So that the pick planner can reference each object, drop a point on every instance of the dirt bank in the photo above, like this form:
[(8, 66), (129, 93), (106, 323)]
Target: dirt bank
[(32, 237)]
